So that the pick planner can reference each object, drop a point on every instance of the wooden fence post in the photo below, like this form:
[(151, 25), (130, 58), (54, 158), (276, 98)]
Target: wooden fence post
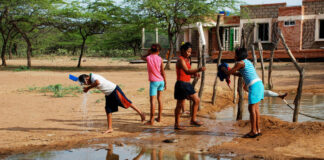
[(261, 59), (301, 77), (218, 60)]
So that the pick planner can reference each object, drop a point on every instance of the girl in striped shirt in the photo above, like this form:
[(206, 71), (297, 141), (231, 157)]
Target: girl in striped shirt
[(245, 68)]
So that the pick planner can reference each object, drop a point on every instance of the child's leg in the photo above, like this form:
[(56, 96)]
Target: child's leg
[(159, 98), (180, 104), (253, 120), (139, 112), (196, 101), (257, 114), (152, 104), (109, 122), (268, 93)]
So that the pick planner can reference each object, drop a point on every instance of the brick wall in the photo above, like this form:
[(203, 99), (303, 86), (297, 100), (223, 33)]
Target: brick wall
[(291, 11), (293, 34), (309, 35), (261, 11), (313, 7)]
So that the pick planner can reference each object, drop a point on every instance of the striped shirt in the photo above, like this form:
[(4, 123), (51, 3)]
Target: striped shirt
[(249, 74)]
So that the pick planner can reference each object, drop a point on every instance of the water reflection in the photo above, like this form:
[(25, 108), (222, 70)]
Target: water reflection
[(274, 106), (114, 152)]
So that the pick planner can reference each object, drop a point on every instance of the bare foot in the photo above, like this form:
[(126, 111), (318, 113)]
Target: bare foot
[(177, 127), (196, 123), (149, 123), (109, 131), (158, 119), (142, 117), (283, 96)]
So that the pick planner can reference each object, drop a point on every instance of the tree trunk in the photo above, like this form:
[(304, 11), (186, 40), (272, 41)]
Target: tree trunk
[(219, 58), (29, 45), (167, 66), (241, 99), (261, 60), (195, 80), (74, 50), (254, 56), (10, 50), (235, 90), (134, 51), (15, 49), (3, 52), (82, 50), (202, 82), (270, 84), (301, 77)]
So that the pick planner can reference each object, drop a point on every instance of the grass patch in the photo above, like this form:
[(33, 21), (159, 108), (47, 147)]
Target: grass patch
[(58, 90), (140, 89)]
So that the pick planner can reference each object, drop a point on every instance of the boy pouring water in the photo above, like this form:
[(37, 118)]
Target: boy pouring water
[(113, 94)]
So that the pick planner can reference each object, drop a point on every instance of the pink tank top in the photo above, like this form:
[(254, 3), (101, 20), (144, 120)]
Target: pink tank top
[(154, 68)]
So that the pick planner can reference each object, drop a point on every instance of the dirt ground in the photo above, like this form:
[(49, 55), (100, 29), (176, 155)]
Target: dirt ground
[(33, 121)]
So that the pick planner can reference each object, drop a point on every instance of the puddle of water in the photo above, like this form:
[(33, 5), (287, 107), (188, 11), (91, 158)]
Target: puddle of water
[(114, 152), (274, 106)]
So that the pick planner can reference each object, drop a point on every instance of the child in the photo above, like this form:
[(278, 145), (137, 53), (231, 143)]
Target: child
[(183, 89), (255, 86), (157, 80), (113, 94)]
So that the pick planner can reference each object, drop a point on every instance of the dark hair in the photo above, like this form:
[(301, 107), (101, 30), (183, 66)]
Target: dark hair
[(82, 78), (241, 53), (185, 47), (155, 48)]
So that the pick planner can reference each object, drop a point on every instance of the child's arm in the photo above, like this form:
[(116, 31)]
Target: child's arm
[(182, 64), (145, 55), (234, 70), (163, 75), (93, 85)]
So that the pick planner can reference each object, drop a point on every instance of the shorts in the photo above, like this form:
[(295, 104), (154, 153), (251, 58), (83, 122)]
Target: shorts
[(156, 86), (182, 90), (115, 99), (256, 92)]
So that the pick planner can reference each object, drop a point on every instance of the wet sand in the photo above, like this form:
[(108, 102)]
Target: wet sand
[(33, 121)]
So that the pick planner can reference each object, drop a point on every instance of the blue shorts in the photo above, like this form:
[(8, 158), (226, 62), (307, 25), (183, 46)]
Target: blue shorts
[(256, 92), (156, 86)]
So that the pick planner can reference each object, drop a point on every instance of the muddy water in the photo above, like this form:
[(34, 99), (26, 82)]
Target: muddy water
[(274, 106), (117, 152), (209, 135)]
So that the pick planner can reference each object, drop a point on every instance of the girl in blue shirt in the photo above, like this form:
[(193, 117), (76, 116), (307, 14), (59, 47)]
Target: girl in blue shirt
[(245, 68)]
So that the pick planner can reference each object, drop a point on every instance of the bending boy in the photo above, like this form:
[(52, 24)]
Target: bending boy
[(113, 94)]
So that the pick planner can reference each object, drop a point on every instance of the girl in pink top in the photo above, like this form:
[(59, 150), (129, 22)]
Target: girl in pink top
[(157, 79)]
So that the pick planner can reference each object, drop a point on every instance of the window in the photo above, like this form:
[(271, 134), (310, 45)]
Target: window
[(263, 32), (321, 29), (236, 34), (290, 23)]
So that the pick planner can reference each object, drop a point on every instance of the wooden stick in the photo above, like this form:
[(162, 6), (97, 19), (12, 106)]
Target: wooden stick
[(261, 59), (241, 99), (301, 77), (220, 49), (254, 56)]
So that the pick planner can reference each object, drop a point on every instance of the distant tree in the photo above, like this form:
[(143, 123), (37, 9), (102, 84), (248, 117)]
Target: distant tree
[(87, 18), (25, 17), (172, 15), (127, 32)]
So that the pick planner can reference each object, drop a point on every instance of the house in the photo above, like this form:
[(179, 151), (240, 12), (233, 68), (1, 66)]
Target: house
[(302, 27)]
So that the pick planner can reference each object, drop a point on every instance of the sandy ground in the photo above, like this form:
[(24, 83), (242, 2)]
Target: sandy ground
[(33, 121)]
